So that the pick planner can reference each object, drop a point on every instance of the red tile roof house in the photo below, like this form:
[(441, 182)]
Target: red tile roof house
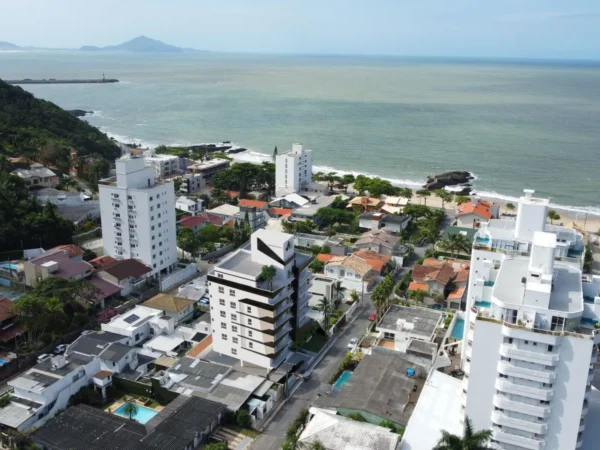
[(9, 331), (129, 274), (434, 277), (258, 204), (199, 221), (58, 262), (471, 214)]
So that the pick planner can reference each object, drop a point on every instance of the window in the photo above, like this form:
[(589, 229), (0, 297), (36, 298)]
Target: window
[(234, 328), (235, 340), (223, 314), (550, 348), (219, 275), (249, 321), (137, 336), (234, 317), (232, 292), (233, 351), (248, 309), (232, 304), (223, 325), (153, 247), (249, 333), (224, 337), (222, 301), (221, 289), (250, 345)]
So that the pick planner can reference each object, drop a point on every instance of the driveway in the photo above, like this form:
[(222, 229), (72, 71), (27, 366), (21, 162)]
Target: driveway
[(273, 436)]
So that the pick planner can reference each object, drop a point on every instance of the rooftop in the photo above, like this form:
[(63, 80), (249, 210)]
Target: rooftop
[(93, 344), (209, 163), (340, 433), (35, 170), (170, 303), (134, 318), (197, 374), (566, 294), (116, 352), (127, 268), (382, 237), (353, 263), (423, 320), (379, 385), (225, 210), (438, 408), (376, 260), (253, 203), (480, 208), (468, 233), (241, 262)]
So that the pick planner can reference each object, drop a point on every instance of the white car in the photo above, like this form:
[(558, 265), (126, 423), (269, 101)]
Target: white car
[(43, 357), (352, 343)]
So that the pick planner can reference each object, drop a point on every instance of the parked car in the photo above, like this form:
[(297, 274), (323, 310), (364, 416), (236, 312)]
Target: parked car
[(204, 301), (43, 357), (60, 349), (352, 343), (373, 317)]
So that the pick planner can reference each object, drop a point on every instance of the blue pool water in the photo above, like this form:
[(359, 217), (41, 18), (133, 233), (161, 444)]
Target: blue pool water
[(343, 379), (459, 328), (3, 361), (10, 266), (588, 322), (143, 414), (483, 304)]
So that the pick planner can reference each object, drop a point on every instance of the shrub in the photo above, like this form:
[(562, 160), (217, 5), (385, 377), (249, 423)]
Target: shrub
[(388, 424), (356, 416), (228, 418), (216, 446), (4, 401), (243, 418)]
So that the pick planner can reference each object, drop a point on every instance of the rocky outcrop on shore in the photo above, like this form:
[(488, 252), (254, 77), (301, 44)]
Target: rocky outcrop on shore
[(452, 178), (80, 112)]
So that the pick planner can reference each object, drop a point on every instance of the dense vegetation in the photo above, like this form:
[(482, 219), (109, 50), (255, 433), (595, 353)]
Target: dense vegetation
[(41, 131), (24, 222), (245, 177)]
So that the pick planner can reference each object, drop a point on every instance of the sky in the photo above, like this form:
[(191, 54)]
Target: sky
[(459, 28)]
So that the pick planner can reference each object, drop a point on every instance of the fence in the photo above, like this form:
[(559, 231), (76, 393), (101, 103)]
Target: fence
[(218, 253), (93, 244), (178, 276)]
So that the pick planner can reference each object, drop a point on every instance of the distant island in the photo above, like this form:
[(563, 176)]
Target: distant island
[(140, 44)]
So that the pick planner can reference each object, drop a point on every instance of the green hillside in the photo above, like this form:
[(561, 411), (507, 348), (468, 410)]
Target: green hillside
[(40, 130)]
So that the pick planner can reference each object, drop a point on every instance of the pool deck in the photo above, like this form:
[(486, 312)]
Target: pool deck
[(116, 405)]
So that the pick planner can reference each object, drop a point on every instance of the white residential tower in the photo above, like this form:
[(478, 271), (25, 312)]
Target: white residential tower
[(293, 169)]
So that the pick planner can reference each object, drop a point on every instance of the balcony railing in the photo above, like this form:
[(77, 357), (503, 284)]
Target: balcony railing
[(507, 438), (524, 425), (510, 369), (539, 411), (511, 351), (504, 385)]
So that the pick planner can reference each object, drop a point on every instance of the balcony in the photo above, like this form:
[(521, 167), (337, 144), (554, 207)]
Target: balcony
[(283, 319), (511, 351), (509, 369), (500, 418), (539, 411), (526, 391), (507, 438)]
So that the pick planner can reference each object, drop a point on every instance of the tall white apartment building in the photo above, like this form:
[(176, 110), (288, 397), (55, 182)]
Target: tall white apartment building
[(253, 319), (164, 165), (528, 350), (138, 216), (293, 169)]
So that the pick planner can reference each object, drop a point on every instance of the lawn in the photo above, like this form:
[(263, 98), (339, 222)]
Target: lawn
[(250, 432)]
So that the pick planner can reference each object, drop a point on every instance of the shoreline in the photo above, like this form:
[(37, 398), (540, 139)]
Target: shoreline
[(569, 214)]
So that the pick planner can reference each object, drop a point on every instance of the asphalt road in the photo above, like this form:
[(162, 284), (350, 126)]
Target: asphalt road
[(273, 436)]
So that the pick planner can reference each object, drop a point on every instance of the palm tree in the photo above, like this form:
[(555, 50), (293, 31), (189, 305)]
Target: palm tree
[(510, 207), (130, 409), (445, 196), (267, 273), (423, 194), (455, 244), (339, 290), (553, 215), (470, 439), (406, 193), (326, 307)]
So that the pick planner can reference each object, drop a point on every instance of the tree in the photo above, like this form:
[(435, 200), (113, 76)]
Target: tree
[(553, 215), (188, 241), (331, 178), (423, 194), (510, 207), (470, 439), (317, 445), (339, 290), (275, 152), (306, 226), (460, 199), (418, 295), (326, 307), (98, 171), (339, 203), (218, 195), (130, 409), (455, 244), (243, 418), (354, 295), (267, 273), (67, 183), (444, 195), (406, 193), (317, 266), (347, 180)]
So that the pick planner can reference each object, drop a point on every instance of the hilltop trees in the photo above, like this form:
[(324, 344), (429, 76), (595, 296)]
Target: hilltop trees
[(245, 177)]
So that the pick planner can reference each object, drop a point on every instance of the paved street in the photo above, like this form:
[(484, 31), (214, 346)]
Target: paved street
[(272, 437)]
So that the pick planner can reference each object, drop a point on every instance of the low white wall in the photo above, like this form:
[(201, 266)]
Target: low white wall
[(177, 277)]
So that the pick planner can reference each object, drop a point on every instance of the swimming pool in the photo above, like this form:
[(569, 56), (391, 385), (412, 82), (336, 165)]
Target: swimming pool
[(343, 379), (142, 416), (3, 361), (483, 304), (459, 328), (10, 266)]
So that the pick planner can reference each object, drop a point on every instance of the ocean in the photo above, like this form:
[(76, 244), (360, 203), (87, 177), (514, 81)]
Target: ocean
[(513, 124)]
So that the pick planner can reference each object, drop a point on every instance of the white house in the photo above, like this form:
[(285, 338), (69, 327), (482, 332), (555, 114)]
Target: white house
[(140, 324), (193, 206), (225, 211), (178, 308), (37, 175), (252, 317), (293, 169), (163, 165), (354, 272), (138, 217), (129, 274), (472, 214), (403, 324), (380, 241)]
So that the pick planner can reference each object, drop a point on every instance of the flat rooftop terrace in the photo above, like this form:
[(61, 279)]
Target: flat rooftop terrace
[(566, 295), (424, 320)]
